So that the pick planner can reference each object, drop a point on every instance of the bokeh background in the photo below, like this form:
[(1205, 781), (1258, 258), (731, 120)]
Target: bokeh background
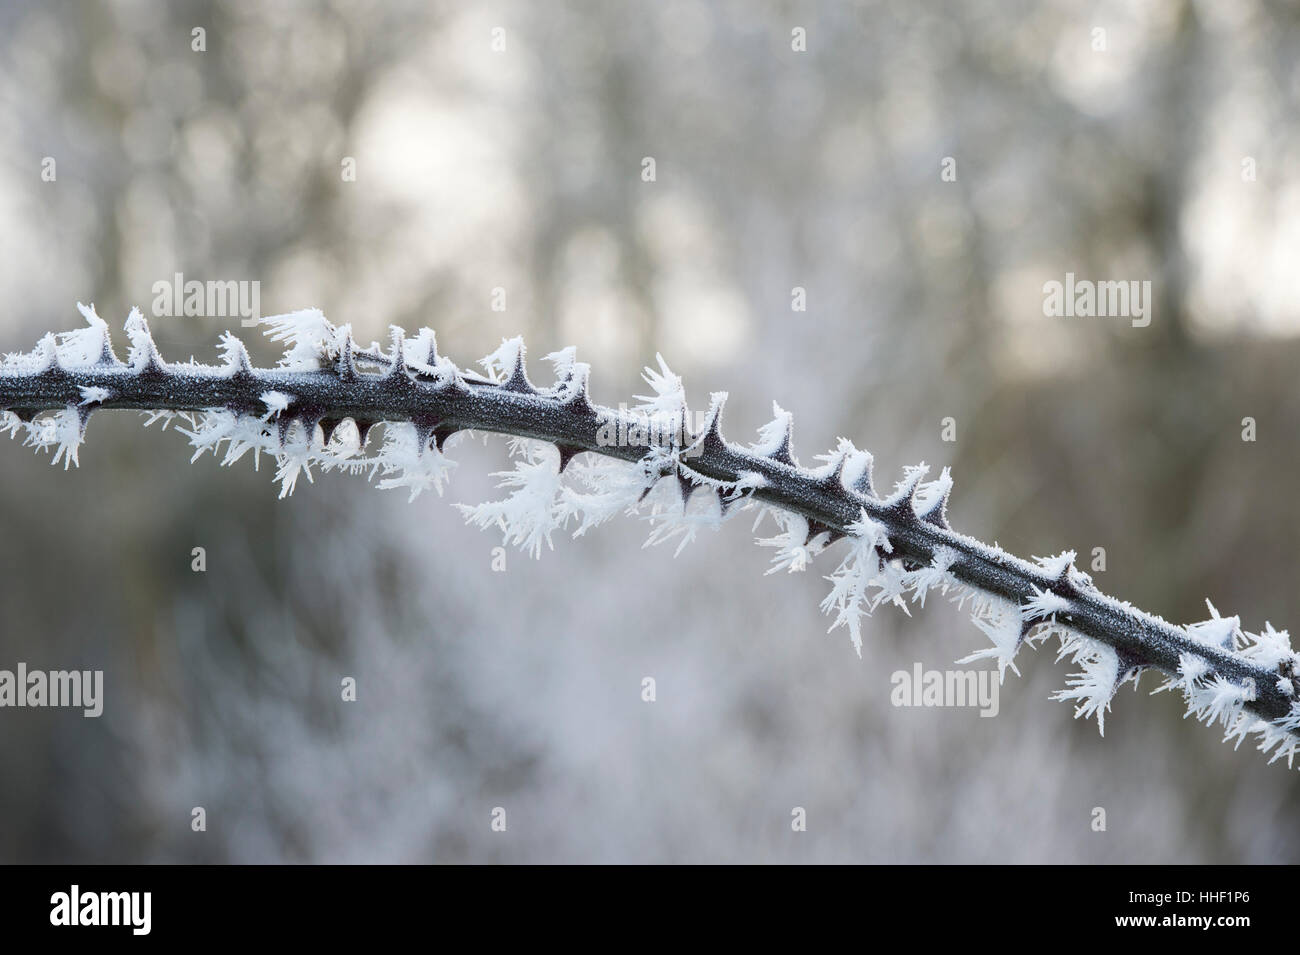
[(521, 169)]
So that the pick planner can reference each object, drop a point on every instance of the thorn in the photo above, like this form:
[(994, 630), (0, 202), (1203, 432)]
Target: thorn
[(724, 502), (284, 421), (427, 335), (1130, 665), (327, 426), (687, 487), (425, 427), (784, 451), (363, 430), (654, 480), (567, 451), (518, 380), (106, 356), (834, 475), (347, 367), (49, 357), (900, 503), (397, 369), (442, 433), (311, 416), (579, 400), (237, 357), (862, 483), (711, 439), (137, 327), (937, 512), (817, 527), (564, 361)]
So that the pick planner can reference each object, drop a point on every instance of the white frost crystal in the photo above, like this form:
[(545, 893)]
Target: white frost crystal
[(553, 488)]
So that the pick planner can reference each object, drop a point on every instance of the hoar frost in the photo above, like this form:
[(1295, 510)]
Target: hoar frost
[(553, 488)]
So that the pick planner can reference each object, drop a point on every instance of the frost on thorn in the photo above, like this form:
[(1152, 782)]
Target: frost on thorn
[(63, 432), (234, 355), (832, 467), (1217, 631), (277, 402), (309, 335), (669, 398), (1058, 567), (1092, 688), (856, 475), (404, 462), (420, 353), (935, 575), (897, 548), (792, 548), (1044, 605), (532, 512), (774, 438), (931, 499), (571, 375), (143, 353), (85, 347), (505, 366), (1001, 622), (861, 568), (905, 490)]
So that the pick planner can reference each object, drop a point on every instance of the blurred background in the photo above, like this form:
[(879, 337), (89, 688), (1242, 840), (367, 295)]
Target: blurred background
[(500, 146)]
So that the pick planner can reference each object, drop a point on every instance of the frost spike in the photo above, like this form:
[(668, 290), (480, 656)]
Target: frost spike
[(518, 380), (862, 483), (237, 361), (774, 438), (107, 358), (784, 452), (834, 472), (937, 512), (431, 355), (900, 502), (144, 353), (347, 367), (397, 367), (579, 400), (710, 441)]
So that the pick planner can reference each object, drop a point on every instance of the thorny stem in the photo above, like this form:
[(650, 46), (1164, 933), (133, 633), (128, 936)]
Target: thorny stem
[(565, 417)]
